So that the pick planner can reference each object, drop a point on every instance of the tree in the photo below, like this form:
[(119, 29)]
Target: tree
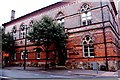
[(46, 32), (7, 43), (7, 46)]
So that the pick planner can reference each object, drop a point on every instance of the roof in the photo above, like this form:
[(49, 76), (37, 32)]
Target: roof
[(36, 12)]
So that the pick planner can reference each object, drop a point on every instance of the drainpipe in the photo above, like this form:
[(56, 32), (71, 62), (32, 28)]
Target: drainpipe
[(25, 52), (104, 35)]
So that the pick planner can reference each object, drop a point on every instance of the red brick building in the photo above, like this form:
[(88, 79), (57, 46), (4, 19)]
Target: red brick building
[(93, 29)]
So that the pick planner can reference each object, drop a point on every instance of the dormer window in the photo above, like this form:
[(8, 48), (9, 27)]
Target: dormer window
[(86, 15)]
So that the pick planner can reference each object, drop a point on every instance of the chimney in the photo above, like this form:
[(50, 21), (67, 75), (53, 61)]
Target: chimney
[(12, 14)]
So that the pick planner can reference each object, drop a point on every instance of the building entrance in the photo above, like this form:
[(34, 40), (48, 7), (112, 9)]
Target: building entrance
[(60, 58)]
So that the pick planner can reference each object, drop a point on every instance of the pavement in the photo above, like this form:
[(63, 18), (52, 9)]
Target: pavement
[(70, 71)]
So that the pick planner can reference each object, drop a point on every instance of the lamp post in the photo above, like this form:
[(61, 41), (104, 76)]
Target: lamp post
[(25, 52), (2, 57)]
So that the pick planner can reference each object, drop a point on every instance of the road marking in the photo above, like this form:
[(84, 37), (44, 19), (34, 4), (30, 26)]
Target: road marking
[(3, 77), (56, 76), (36, 74), (69, 71)]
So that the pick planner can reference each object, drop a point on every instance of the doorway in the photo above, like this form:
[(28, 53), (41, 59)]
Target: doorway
[(60, 58)]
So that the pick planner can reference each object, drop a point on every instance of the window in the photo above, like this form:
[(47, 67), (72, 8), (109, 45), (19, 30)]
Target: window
[(30, 25), (88, 47), (14, 56), (38, 50), (22, 54), (38, 55), (60, 18), (14, 30), (22, 31), (86, 16)]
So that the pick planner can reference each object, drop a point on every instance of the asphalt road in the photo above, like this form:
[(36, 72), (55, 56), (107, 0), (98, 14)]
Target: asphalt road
[(37, 75), (24, 75)]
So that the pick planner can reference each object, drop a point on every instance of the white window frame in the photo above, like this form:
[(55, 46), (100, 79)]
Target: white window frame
[(14, 32), (86, 14), (88, 43), (86, 17), (60, 21), (22, 55), (37, 56), (14, 36), (60, 18), (30, 25), (22, 32)]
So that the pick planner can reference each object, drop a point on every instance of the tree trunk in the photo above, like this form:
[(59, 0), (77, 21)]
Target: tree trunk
[(47, 54)]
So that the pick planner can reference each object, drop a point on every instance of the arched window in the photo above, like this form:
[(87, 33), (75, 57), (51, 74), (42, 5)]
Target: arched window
[(22, 54), (14, 30), (86, 15), (38, 51), (60, 18), (22, 31), (30, 25), (88, 47)]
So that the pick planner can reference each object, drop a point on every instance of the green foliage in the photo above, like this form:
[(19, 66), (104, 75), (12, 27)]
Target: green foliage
[(46, 31), (7, 42)]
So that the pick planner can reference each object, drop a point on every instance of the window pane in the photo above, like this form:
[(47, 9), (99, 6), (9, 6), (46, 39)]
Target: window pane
[(82, 10), (86, 54), (88, 8), (89, 22), (91, 50), (91, 42), (88, 13), (87, 38), (92, 54), (37, 55), (26, 55), (83, 19), (83, 15), (86, 49), (85, 5), (89, 18), (84, 23), (62, 20), (22, 56), (84, 42)]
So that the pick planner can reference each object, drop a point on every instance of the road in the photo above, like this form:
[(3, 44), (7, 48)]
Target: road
[(41, 74), (37, 75)]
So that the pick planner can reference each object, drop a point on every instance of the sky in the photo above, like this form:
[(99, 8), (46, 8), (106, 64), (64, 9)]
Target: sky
[(21, 7)]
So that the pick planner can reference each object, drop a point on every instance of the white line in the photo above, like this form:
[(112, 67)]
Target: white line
[(69, 71), (36, 74), (56, 76), (3, 77)]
